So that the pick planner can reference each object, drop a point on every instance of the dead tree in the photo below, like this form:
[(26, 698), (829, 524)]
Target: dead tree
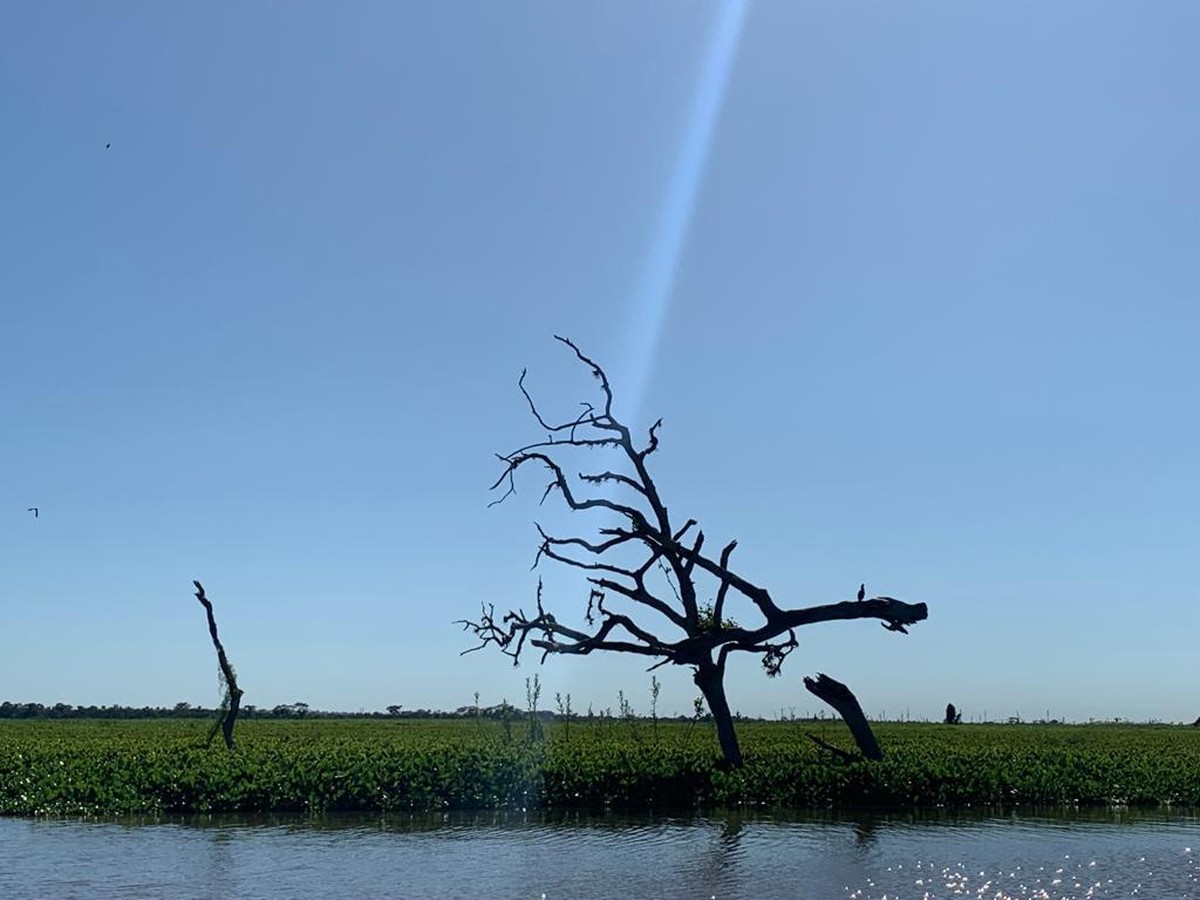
[(646, 572), (232, 700)]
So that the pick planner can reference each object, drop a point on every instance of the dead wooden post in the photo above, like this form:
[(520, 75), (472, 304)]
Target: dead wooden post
[(232, 702)]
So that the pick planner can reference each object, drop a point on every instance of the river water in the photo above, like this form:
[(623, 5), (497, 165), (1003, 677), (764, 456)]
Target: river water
[(547, 855)]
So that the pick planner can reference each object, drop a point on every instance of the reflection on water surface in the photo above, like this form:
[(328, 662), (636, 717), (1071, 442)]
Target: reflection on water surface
[(573, 855)]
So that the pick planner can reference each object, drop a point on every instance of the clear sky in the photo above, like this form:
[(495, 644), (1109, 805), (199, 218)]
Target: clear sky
[(913, 286)]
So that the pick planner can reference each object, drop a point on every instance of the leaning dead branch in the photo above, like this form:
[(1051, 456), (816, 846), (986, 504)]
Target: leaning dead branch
[(842, 699), (625, 564)]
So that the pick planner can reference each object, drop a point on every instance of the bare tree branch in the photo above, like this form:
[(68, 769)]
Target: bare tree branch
[(841, 754), (723, 590), (653, 444)]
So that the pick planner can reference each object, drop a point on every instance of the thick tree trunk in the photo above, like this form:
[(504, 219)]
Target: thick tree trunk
[(710, 678), (843, 700), (235, 704)]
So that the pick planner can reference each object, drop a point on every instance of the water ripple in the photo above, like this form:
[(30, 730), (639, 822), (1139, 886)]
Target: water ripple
[(555, 856)]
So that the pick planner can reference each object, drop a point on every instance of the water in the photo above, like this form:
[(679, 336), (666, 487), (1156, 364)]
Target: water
[(553, 856)]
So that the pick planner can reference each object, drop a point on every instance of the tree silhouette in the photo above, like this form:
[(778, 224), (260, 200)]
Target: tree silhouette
[(645, 572), (231, 702)]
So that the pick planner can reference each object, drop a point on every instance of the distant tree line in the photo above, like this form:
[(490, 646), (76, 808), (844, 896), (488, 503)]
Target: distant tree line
[(499, 712), (182, 710), (9, 710)]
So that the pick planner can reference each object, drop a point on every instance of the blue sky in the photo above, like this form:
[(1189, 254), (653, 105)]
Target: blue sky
[(914, 289)]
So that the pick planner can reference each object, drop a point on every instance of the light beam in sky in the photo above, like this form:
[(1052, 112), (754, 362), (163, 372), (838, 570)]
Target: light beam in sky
[(652, 296)]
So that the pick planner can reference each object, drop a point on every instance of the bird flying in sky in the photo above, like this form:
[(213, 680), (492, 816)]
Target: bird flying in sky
[(34, 510)]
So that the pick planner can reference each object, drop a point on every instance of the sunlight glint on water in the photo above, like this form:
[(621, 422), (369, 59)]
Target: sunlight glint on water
[(1168, 876)]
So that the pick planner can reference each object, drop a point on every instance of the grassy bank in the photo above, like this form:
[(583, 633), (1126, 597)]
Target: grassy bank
[(115, 767)]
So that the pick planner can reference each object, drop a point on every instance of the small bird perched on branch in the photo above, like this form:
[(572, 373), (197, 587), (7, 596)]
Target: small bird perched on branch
[(862, 592)]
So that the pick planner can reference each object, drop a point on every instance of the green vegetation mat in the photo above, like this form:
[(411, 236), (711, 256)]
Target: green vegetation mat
[(91, 767)]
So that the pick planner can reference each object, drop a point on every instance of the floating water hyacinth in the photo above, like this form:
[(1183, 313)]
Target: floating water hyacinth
[(82, 767)]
